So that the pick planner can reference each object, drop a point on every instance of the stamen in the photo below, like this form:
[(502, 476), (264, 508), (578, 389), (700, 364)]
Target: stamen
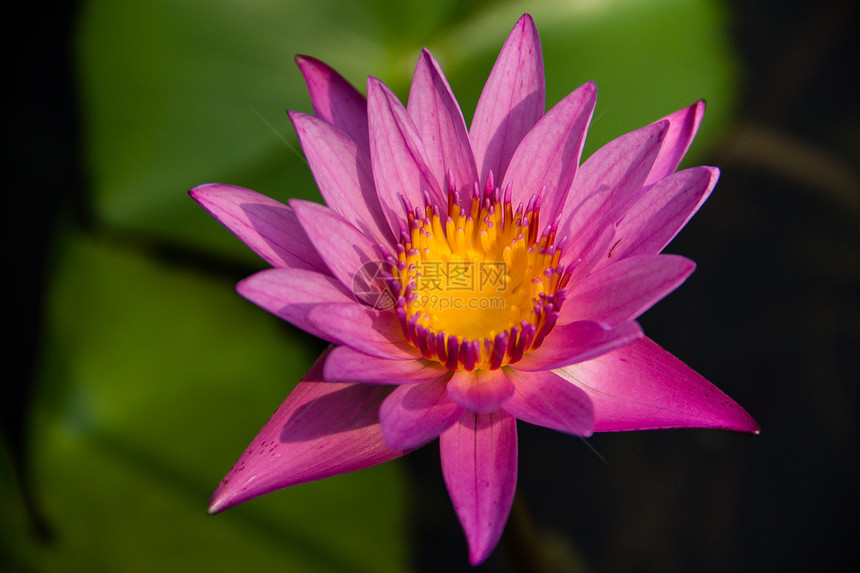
[(480, 284)]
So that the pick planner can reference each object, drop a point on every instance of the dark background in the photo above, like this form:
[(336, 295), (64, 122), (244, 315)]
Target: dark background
[(772, 313)]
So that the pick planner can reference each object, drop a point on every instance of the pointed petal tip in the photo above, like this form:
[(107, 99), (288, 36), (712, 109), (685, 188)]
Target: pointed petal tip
[(305, 62), (526, 20), (248, 285), (223, 498), (685, 266), (696, 109), (198, 191), (734, 419), (741, 423), (715, 173), (746, 424), (217, 504), (194, 192), (479, 555), (375, 82)]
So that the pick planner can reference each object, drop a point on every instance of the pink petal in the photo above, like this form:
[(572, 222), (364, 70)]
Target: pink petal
[(415, 414), (322, 429), (440, 124), (479, 464), (290, 293), (576, 342), (481, 391), (335, 100), (589, 252), (641, 387), (544, 399), (683, 125), (342, 173), (347, 365), (269, 228), (400, 164), (625, 289), (619, 168), (548, 156), (663, 210), (345, 249), (373, 332), (512, 100)]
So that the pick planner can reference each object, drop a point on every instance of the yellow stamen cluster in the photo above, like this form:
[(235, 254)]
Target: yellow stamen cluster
[(479, 285)]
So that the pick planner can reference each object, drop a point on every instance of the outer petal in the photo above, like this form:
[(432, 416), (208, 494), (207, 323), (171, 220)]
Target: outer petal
[(363, 329), (663, 210), (342, 173), (479, 464), (335, 100), (481, 391), (619, 168), (344, 248), (576, 342), (624, 290), (401, 167), (322, 429), (683, 125), (290, 293), (347, 365), (641, 386), (270, 228), (416, 414), (548, 157), (512, 101), (440, 124), (544, 399)]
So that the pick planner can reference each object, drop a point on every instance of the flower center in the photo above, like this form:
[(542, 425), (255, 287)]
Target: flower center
[(480, 285)]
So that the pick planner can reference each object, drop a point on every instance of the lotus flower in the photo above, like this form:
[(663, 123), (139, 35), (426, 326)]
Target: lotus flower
[(467, 279)]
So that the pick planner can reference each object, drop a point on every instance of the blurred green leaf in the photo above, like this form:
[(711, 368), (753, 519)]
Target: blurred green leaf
[(158, 379), (182, 93)]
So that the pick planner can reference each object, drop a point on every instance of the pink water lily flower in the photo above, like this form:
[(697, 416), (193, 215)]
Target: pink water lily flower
[(468, 278)]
